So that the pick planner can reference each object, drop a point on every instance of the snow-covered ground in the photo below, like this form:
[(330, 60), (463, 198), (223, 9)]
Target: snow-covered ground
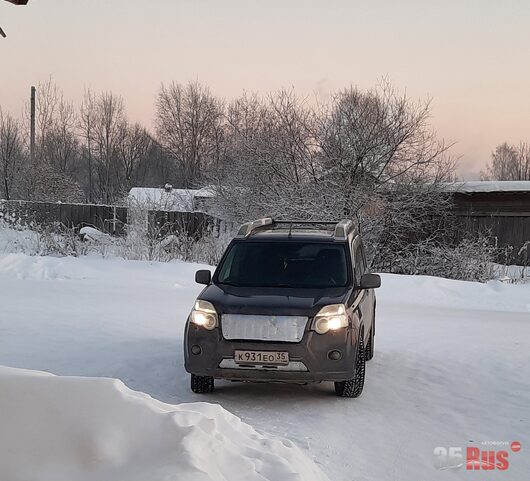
[(452, 364), (72, 429)]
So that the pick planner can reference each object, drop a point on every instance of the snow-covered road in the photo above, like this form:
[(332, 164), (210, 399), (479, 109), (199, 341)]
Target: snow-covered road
[(452, 363)]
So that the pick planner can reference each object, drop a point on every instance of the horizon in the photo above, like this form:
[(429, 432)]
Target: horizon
[(466, 58)]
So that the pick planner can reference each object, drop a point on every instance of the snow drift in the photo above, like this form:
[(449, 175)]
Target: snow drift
[(78, 429)]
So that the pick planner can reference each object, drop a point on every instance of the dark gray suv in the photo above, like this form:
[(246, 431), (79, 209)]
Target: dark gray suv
[(289, 302)]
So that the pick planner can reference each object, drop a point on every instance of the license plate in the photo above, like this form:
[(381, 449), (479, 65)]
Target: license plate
[(261, 357)]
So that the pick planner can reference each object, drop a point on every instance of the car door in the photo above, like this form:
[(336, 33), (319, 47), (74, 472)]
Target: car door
[(365, 296)]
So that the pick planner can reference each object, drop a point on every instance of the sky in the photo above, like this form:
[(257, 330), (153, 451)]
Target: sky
[(471, 57)]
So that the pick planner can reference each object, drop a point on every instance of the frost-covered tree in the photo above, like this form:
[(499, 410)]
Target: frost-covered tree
[(11, 153), (188, 125), (109, 118), (509, 162), (369, 156), (134, 147), (86, 126), (270, 160)]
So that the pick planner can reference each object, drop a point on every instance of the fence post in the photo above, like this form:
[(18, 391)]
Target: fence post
[(114, 219)]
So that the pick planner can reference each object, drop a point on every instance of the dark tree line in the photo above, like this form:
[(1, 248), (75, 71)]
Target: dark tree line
[(90, 153)]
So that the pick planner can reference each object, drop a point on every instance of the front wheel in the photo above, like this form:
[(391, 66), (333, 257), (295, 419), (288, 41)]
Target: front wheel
[(354, 387), (202, 384)]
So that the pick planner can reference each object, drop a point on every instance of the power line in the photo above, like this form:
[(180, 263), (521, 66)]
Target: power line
[(14, 2)]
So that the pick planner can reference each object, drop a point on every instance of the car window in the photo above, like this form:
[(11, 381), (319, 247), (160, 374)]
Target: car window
[(287, 264)]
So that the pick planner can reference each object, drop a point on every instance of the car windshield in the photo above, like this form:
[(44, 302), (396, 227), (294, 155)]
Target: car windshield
[(284, 264)]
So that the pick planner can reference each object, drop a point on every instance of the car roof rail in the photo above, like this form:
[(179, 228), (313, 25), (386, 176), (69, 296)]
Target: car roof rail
[(246, 229), (341, 230)]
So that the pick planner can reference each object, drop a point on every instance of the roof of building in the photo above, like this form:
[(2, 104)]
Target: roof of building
[(169, 199), (489, 186)]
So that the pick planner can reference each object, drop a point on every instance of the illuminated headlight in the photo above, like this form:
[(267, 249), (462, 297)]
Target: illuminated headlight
[(330, 318), (204, 315)]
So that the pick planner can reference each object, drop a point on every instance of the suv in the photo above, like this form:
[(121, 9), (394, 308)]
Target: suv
[(289, 301)]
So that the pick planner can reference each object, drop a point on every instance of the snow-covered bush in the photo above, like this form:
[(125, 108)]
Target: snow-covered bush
[(58, 240), (472, 259), (17, 239)]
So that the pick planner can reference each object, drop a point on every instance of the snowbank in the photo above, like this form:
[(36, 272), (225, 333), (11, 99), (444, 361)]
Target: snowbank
[(72, 428), (427, 291), (13, 240)]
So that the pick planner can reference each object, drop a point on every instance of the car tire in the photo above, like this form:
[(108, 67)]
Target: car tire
[(202, 384), (370, 346), (354, 387)]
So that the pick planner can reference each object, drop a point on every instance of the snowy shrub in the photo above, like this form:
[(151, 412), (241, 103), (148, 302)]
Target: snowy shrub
[(155, 246), (58, 240), (210, 248), (469, 260), (17, 239), (525, 251)]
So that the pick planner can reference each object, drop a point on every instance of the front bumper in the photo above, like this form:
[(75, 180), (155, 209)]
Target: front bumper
[(309, 361)]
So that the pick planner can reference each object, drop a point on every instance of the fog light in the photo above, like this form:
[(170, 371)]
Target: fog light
[(196, 349), (335, 355)]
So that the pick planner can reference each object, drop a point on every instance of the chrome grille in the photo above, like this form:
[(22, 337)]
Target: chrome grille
[(263, 328)]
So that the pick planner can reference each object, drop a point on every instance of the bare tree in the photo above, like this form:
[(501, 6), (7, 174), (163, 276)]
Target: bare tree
[(134, 146), (368, 156), (48, 98), (509, 162), (270, 159), (11, 152), (87, 120), (60, 146), (370, 139), (188, 122), (110, 115)]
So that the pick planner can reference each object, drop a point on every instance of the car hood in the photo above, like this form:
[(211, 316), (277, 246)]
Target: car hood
[(272, 300)]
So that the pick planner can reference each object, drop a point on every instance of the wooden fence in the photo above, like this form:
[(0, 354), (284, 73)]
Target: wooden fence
[(510, 223), (106, 218)]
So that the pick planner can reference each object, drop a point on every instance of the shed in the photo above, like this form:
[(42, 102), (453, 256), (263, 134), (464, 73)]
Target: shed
[(499, 207)]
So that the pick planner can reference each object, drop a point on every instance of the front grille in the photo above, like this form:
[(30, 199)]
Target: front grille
[(263, 328)]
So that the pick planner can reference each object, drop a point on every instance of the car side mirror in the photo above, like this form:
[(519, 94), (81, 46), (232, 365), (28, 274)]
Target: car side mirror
[(203, 277), (370, 281)]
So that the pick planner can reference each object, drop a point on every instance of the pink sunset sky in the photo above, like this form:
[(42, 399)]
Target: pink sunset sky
[(471, 57)]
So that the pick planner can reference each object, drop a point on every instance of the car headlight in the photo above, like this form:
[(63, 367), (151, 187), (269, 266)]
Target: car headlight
[(204, 315), (330, 318)]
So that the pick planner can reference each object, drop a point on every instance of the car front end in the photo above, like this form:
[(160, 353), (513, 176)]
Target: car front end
[(265, 335)]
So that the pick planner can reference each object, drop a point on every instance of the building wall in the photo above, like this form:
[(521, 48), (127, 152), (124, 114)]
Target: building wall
[(506, 215)]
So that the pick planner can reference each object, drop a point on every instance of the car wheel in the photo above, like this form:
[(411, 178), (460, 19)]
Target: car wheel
[(370, 346), (202, 384), (354, 387)]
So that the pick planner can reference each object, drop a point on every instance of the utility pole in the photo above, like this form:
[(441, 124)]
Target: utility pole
[(32, 134)]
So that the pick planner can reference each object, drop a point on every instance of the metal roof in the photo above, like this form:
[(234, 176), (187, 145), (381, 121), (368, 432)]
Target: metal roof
[(489, 186)]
